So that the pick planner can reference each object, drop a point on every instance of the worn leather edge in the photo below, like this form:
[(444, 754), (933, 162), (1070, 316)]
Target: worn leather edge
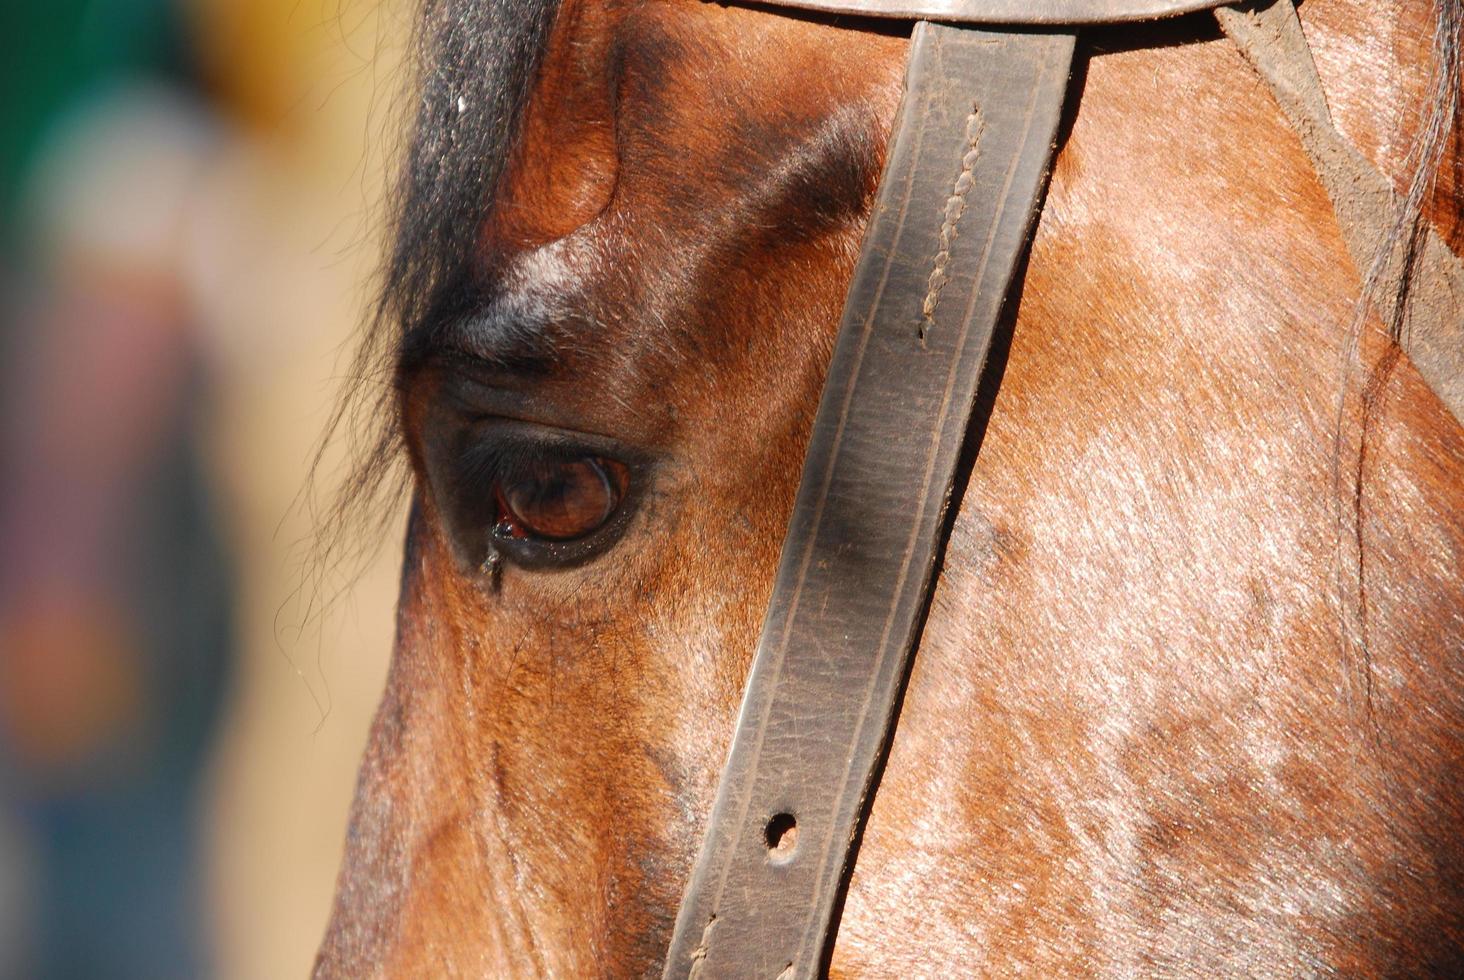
[(1363, 198), (1051, 13), (965, 171)]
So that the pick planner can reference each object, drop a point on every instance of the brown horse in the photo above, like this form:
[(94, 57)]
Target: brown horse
[(1190, 696)]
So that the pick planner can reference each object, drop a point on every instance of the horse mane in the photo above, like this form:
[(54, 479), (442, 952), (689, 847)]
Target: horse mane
[(473, 65), (1437, 151), (1438, 133)]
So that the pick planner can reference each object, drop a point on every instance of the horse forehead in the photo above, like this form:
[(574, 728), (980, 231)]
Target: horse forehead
[(662, 161), (660, 106)]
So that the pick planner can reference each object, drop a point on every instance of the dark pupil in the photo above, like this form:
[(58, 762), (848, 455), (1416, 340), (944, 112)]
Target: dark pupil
[(558, 500)]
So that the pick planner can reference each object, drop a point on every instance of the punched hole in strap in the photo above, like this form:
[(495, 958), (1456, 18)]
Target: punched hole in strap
[(781, 836)]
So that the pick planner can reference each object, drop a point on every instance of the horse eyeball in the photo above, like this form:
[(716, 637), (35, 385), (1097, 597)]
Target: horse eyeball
[(560, 500)]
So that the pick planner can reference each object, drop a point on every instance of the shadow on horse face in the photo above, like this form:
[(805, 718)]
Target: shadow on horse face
[(1127, 740)]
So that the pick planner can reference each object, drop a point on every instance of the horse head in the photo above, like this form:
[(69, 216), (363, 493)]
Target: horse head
[(1139, 733)]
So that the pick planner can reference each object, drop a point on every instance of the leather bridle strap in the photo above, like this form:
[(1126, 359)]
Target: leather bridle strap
[(1024, 13), (965, 172)]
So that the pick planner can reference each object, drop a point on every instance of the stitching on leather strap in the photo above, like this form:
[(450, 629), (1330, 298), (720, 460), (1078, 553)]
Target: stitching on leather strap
[(699, 955), (955, 207)]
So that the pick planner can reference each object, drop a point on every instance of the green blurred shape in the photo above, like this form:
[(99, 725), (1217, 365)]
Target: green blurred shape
[(54, 53)]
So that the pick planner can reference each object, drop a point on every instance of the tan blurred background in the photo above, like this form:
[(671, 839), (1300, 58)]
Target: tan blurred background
[(190, 229)]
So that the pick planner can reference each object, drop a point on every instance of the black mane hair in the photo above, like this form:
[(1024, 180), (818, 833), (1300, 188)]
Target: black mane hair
[(1438, 132), (472, 66)]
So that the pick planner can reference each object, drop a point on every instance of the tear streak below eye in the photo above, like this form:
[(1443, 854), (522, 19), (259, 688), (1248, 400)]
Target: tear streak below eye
[(560, 500)]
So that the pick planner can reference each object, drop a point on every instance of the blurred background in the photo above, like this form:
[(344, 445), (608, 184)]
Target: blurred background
[(188, 229)]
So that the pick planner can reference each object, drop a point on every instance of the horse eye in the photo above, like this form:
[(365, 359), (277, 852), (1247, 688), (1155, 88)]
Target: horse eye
[(559, 500)]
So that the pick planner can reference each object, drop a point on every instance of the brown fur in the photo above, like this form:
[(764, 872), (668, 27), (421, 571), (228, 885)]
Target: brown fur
[(1133, 741)]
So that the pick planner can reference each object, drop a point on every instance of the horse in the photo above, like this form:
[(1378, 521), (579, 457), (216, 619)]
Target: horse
[(1189, 697)]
